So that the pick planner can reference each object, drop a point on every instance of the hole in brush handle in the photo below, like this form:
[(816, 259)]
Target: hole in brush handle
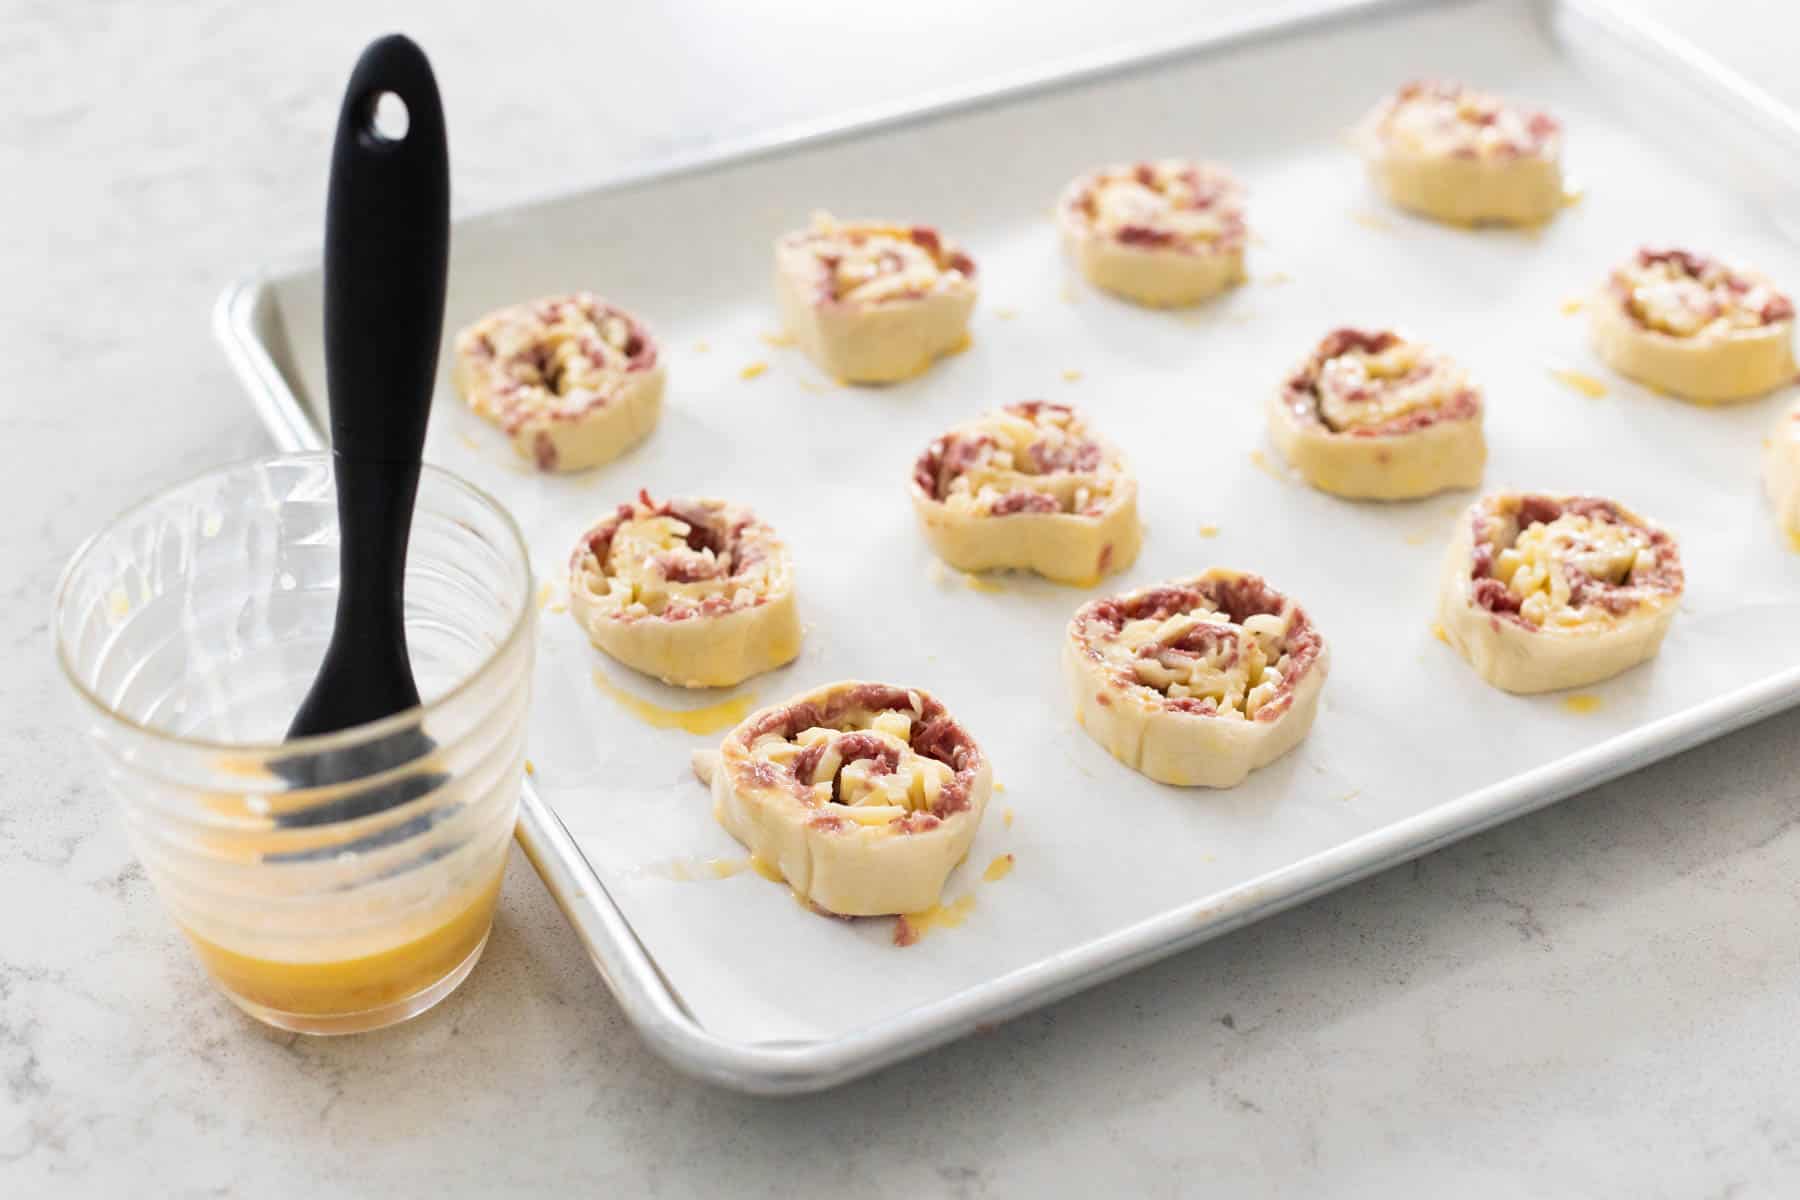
[(388, 118)]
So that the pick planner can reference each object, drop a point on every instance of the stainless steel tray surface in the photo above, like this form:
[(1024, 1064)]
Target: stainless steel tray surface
[(731, 980)]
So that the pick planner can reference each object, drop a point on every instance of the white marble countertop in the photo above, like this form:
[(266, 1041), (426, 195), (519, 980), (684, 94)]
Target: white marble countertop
[(1603, 998)]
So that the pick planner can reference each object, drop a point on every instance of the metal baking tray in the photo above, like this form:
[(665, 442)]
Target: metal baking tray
[(734, 983)]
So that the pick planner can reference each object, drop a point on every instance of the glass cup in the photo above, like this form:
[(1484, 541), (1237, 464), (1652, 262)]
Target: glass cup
[(331, 884)]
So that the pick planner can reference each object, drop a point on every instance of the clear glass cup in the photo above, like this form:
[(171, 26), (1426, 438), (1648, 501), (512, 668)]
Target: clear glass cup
[(332, 884)]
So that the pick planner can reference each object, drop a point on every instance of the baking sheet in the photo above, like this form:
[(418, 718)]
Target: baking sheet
[(729, 976)]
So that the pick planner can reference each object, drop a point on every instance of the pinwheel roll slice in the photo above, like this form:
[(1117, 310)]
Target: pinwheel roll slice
[(1164, 233), (1030, 486), (1781, 473), (864, 796), (1694, 326), (697, 592), (1545, 592), (1462, 156), (573, 380), (1199, 681), (1371, 415), (872, 302)]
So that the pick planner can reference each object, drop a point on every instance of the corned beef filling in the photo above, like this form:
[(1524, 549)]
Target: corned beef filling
[(1617, 590), (714, 549), (1304, 390), (1183, 207), (1680, 293), (1218, 645), (935, 735), (956, 454)]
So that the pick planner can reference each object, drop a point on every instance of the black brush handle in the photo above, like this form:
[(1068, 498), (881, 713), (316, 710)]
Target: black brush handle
[(387, 249), (387, 241)]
